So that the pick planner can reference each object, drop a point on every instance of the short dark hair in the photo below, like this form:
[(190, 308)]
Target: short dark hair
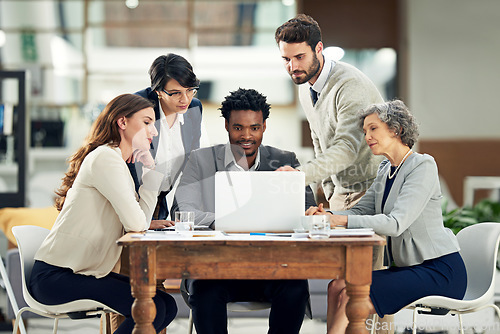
[(245, 99), (302, 28), (172, 66), (398, 118)]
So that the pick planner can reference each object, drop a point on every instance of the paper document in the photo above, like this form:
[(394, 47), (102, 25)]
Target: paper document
[(352, 232)]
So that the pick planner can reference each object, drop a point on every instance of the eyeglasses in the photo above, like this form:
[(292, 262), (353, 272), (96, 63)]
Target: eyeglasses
[(190, 92)]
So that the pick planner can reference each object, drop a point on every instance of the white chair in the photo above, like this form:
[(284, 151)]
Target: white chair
[(479, 248), (235, 307), (29, 239)]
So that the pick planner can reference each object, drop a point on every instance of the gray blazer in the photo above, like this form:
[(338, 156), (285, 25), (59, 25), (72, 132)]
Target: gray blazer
[(412, 215), (197, 184)]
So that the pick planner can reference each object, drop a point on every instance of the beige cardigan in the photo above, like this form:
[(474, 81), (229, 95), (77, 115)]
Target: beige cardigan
[(342, 158), (99, 207)]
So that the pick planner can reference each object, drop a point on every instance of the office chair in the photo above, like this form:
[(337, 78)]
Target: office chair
[(29, 239), (479, 249)]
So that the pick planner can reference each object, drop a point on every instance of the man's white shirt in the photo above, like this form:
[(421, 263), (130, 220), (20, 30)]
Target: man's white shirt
[(231, 164), (320, 83)]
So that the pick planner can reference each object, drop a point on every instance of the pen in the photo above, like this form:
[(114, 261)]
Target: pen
[(271, 234)]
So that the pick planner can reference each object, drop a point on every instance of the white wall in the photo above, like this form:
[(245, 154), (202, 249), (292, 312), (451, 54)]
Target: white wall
[(454, 67)]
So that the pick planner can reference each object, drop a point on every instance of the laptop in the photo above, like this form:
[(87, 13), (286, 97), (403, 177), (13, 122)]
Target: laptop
[(260, 201)]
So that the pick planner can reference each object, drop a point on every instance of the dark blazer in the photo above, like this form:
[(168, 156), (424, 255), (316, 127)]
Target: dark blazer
[(197, 185), (190, 132)]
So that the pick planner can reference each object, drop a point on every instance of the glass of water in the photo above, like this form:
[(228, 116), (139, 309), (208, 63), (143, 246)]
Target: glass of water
[(184, 221), (319, 227)]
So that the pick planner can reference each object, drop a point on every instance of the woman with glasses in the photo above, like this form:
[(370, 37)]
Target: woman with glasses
[(178, 121)]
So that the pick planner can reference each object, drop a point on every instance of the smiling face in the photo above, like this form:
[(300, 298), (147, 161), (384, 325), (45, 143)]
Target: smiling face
[(378, 136), (179, 99), (301, 62), (246, 129), (139, 129)]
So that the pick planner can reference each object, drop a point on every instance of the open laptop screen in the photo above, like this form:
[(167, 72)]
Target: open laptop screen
[(259, 201)]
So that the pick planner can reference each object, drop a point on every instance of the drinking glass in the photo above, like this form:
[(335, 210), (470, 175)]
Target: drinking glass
[(319, 227), (184, 221)]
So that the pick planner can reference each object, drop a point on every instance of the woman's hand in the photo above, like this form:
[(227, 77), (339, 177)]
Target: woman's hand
[(144, 157), (159, 224), (335, 220), (338, 221), (317, 210)]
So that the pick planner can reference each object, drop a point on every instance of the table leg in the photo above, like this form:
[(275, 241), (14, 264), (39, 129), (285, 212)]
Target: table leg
[(358, 279), (143, 282)]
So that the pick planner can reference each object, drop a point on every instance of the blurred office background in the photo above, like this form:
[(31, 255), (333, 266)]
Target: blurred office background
[(439, 56)]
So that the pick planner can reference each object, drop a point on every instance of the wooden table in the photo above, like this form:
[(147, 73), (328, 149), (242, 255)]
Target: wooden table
[(261, 258)]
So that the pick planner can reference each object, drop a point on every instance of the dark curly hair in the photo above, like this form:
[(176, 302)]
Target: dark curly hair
[(398, 118), (245, 99), (302, 28)]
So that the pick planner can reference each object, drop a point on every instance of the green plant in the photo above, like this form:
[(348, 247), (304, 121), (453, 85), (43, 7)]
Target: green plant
[(484, 211)]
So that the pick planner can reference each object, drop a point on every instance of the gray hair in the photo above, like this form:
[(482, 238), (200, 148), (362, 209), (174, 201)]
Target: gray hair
[(397, 117)]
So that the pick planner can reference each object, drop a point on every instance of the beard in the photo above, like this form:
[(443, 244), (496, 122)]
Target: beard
[(239, 152), (309, 73)]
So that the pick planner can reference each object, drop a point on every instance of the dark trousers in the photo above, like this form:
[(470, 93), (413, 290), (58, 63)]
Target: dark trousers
[(208, 299), (53, 285)]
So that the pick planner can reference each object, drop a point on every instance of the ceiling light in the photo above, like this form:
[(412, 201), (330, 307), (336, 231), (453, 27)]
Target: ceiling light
[(132, 3), (334, 52)]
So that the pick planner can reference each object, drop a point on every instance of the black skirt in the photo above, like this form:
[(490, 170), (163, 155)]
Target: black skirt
[(394, 288)]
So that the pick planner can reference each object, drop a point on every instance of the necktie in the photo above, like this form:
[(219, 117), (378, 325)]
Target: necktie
[(314, 95)]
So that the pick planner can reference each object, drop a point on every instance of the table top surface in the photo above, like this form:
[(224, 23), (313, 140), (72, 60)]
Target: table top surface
[(149, 239)]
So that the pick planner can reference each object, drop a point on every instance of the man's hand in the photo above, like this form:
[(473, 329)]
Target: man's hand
[(159, 224), (317, 210), (287, 169)]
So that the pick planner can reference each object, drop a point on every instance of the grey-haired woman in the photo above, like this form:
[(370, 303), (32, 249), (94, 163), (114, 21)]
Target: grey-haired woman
[(404, 204)]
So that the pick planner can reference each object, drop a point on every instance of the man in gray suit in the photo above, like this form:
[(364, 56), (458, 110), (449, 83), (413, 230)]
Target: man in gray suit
[(245, 112)]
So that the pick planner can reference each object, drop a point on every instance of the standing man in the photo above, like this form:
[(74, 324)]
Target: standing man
[(245, 112), (334, 94), (331, 99)]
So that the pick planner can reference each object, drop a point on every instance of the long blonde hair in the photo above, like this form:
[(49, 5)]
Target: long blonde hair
[(103, 131)]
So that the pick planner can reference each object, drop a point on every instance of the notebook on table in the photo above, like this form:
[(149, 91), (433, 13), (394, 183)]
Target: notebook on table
[(260, 201)]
